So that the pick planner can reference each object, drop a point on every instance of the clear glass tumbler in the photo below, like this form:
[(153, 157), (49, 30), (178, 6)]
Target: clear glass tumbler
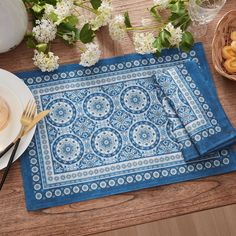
[(201, 13)]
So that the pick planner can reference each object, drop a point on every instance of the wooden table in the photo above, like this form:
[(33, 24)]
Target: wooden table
[(122, 210)]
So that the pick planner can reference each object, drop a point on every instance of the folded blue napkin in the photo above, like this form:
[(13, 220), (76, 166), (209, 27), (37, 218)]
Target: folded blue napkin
[(195, 105)]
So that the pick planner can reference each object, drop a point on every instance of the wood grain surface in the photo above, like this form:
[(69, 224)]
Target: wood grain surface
[(214, 222), (127, 209)]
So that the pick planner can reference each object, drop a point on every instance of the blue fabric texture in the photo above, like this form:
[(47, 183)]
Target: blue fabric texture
[(196, 107), (127, 123)]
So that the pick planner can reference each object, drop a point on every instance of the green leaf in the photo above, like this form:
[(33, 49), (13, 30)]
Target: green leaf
[(36, 15), (70, 30), (188, 38), (182, 21), (72, 37), (178, 7), (53, 17), (155, 14), (184, 47), (37, 8), (164, 37), (175, 18), (186, 24), (86, 34), (41, 47), (157, 53), (96, 3), (179, 16), (127, 20), (157, 43), (72, 19), (51, 2), (66, 27), (77, 34), (187, 41), (30, 42)]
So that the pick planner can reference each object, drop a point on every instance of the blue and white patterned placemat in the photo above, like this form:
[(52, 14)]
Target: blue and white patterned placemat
[(109, 131)]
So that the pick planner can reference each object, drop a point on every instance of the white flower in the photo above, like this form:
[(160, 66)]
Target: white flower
[(84, 18), (176, 34), (48, 9), (161, 3), (117, 27), (143, 43), (104, 15), (146, 22), (91, 55), (62, 9), (66, 37), (45, 62), (44, 31), (82, 15)]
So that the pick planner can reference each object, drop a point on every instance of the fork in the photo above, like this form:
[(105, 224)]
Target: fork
[(26, 118)]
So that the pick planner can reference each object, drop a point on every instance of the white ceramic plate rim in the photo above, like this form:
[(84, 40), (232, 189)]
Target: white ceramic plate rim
[(18, 87)]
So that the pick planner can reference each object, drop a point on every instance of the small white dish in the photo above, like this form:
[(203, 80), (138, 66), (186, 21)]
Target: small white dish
[(23, 94), (12, 129)]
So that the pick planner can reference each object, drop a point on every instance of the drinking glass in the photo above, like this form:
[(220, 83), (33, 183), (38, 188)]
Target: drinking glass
[(201, 13)]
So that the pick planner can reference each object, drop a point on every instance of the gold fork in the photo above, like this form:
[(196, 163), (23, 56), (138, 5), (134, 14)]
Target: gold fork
[(26, 119), (27, 116)]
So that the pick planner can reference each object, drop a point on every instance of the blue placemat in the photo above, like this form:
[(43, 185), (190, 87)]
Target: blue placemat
[(109, 131)]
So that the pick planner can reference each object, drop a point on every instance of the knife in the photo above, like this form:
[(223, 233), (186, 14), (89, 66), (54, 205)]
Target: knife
[(35, 121)]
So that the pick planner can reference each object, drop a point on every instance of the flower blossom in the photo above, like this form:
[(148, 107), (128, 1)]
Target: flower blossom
[(44, 31), (176, 34), (62, 9), (162, 4), (91, 55), (104, 15), (117, 27), (143, 43), (45, 62)]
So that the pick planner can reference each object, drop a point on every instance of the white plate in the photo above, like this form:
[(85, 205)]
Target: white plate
[(23, 94), (8, 134)]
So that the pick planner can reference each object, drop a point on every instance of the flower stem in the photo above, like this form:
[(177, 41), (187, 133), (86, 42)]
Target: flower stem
[(86, 1), (49, 47), (81, 49), (79, 4), (143, 28)]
